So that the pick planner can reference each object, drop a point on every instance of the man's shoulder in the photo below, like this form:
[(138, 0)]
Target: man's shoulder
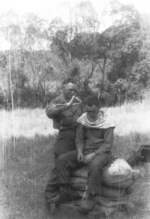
[(59, 99)]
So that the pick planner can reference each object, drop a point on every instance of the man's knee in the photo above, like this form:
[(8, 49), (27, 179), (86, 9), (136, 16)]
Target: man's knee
[(61, 160), (61, 157), (100, 161), (67, 157)]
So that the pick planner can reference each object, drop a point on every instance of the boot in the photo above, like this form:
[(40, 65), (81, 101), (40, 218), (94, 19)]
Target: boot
[(75, 195), (67, 194), (88, 203), (50, 205)]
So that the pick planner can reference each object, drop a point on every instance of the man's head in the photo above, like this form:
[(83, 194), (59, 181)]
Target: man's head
[(69, 88), (92, 107)]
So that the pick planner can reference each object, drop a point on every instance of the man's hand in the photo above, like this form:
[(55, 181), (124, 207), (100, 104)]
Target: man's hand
[(73, 99), (80, 157), (88, 158), (70, 103)]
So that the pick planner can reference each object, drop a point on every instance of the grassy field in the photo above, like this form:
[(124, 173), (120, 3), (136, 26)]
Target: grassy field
[(27, 139)]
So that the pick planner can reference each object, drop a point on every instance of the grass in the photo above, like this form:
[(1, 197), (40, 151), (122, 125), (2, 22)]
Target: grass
[(25, 171), (27, 139)]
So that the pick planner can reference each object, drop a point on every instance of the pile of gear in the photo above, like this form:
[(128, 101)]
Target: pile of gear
[(118, 177)]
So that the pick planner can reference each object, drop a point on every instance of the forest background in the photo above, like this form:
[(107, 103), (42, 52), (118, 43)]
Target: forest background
[(106, 52)]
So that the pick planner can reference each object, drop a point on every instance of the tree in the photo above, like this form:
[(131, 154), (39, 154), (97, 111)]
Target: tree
[(113, 60), (28, 68)]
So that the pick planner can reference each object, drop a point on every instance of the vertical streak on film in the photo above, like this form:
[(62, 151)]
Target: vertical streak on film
[(12, 100)]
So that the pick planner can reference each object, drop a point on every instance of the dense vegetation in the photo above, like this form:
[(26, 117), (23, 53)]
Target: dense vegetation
[(113, 60)]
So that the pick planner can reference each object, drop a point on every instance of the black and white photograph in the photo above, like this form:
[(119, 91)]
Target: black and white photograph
[(75, 109)]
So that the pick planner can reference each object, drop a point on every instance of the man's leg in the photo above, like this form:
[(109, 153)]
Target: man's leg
[(65, 164), (95, 177), (95, 173), (51, 191), (52, 186)]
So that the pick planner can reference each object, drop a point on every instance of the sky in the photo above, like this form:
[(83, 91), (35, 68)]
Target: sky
[(50, 9)]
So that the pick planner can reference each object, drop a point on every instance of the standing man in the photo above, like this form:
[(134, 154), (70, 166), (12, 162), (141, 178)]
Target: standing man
[(64, 111)]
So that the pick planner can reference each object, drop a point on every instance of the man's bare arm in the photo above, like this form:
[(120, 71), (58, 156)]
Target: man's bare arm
[(57, 106)]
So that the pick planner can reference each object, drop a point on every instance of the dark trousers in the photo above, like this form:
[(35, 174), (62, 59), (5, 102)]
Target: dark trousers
[(60, 174), (64, 149), (95, 173), (66, 163)]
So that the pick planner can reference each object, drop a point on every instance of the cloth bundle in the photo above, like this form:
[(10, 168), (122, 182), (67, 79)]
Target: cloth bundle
[(117, 178)]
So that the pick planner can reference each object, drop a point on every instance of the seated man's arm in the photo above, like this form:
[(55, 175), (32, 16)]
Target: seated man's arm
[(80, 142), (108, 141), (80, 138)]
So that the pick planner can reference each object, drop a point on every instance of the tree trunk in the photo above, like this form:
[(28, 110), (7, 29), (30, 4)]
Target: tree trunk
[(103, 75)]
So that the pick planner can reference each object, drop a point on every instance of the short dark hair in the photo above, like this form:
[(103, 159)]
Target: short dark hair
[(91, 100), (69, 80)]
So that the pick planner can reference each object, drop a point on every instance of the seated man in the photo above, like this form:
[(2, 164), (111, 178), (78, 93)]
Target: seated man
[(94, 140), (64, 110)]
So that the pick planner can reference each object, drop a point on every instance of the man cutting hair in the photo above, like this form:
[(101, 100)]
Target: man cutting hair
[(94, 139)]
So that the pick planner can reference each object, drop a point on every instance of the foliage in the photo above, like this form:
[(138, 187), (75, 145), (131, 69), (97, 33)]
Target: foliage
[(114, 61)]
